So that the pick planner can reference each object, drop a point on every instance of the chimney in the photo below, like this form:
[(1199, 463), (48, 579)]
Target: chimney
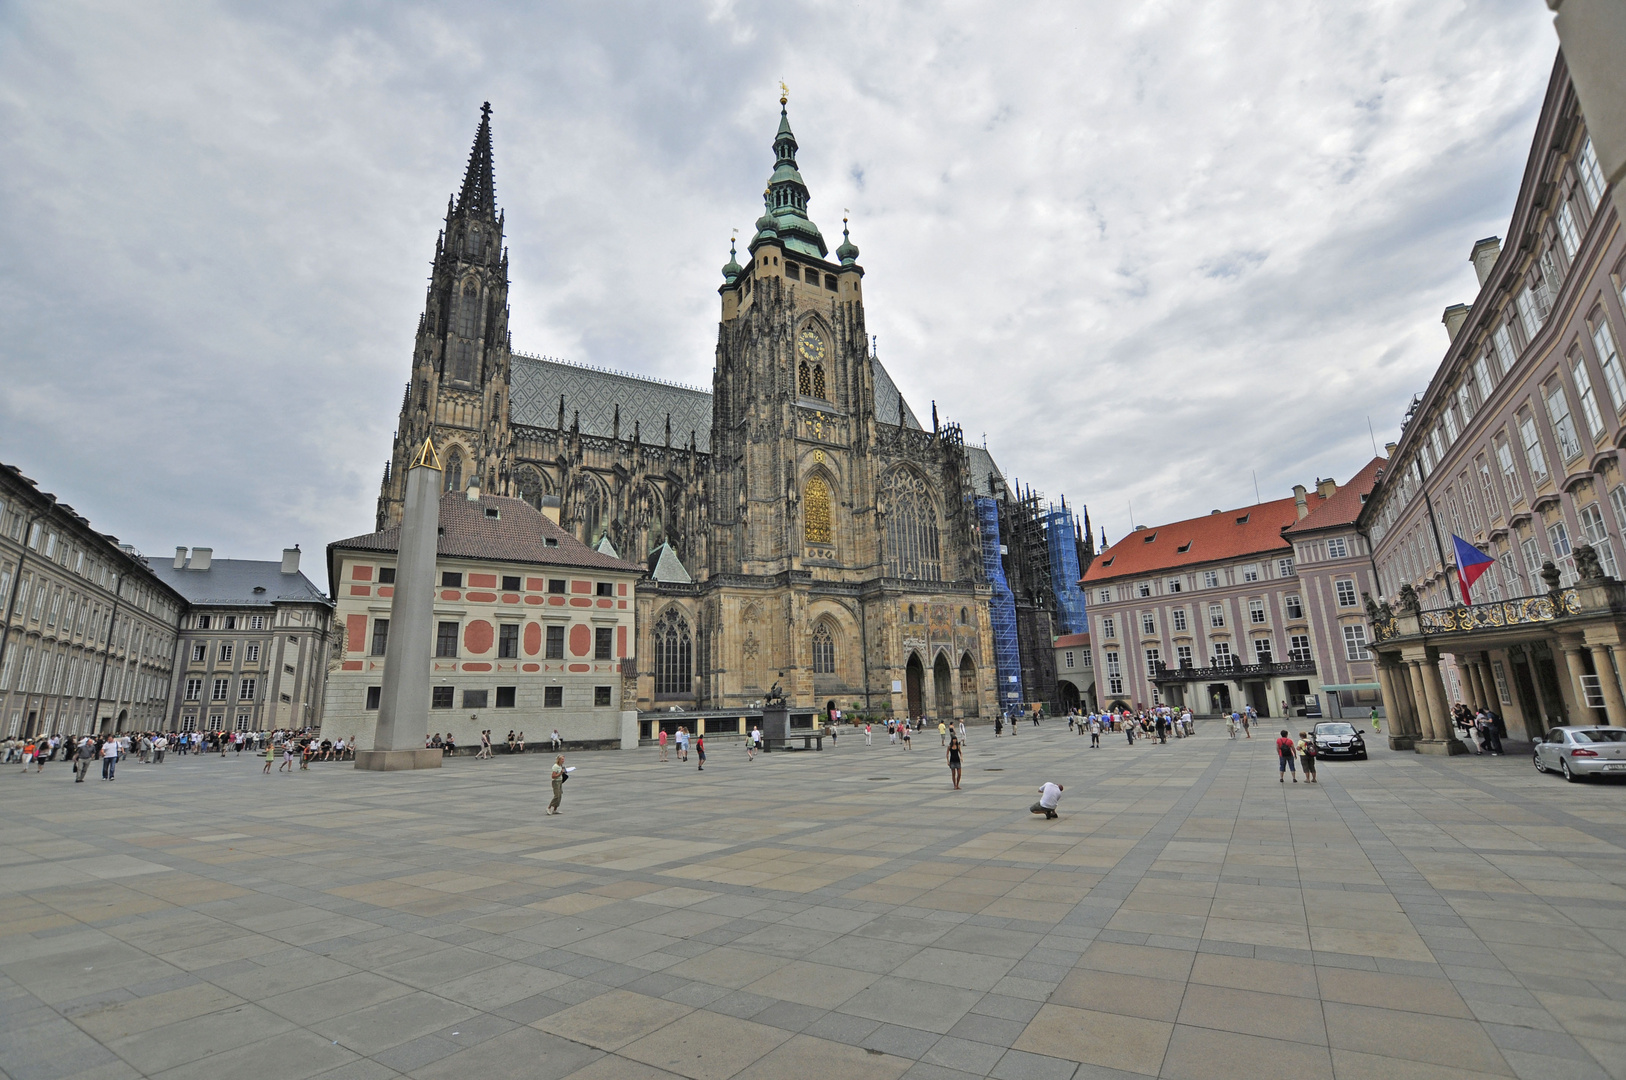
[(1454, 317), (474, 493), (180, 558), (1300, 501), (1484, 257), (290, 560), (1389, 450), (201, 558), (550, 508), (1326, 488)]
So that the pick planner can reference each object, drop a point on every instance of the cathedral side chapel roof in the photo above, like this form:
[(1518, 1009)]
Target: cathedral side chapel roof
[(664, 565)]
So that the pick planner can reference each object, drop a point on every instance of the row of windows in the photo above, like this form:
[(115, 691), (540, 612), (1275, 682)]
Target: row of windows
[(445, 697), (1264, 652), (1498, 355), (227, 622), (221, 690), (225, 651), (1209, 579), (794, 272), (71, 556), (1292, 606), (453, 579)]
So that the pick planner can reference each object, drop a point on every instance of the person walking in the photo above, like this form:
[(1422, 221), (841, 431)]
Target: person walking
[(1049, 797), (942, 733), (485, 745), (110, 757), (557, 777), (270, 756), (1376, 729), (1286, 758), (700, 751), (751, 745), (907, 745), (662, 740), (869, 735), (954, 761), (1307, 753), (82, 755), (287, 755), (1230, 725), (1095, 732), (961, 727)]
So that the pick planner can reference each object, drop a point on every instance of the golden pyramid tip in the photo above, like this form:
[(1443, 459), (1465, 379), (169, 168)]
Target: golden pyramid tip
[(427, 458)]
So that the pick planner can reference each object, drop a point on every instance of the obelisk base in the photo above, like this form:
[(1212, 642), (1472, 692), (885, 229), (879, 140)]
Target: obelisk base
[(399, 760)]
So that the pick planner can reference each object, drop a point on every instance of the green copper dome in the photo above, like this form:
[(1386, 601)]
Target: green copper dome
[(732, 269), (786, 218), (848, 251)]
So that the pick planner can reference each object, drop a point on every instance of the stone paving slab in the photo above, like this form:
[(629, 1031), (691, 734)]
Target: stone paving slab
[(841, 913)]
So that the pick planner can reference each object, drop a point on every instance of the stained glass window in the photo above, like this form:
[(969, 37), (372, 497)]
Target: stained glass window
[(816, 511), (804, 380), (911, 527), (674, 652), (824, 650), (819, 390)]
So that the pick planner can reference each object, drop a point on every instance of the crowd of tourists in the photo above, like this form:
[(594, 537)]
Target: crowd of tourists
[(154, 747)]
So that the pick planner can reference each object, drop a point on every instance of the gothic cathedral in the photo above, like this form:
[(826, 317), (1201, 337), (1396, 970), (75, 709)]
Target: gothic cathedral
[(801, 526)]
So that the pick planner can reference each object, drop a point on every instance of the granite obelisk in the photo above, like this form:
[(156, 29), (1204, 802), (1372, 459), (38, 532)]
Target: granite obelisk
[(403, 705)]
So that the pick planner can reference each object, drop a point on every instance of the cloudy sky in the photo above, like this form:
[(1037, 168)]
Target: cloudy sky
[(1149, 249)]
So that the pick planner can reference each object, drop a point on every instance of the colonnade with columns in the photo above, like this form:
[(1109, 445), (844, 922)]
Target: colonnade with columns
[(1419, 706)]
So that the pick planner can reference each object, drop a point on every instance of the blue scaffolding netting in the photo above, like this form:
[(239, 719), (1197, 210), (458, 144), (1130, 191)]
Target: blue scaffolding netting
[(1060, 525), (1001, 609)]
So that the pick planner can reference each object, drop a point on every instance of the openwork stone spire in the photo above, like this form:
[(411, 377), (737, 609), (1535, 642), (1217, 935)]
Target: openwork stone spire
[(479, 195)]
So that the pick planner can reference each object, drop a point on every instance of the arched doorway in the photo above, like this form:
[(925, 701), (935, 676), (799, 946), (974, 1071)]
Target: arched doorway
[(1069, 695), (913, 679), (942, 687), (968, 686), (124, 714)]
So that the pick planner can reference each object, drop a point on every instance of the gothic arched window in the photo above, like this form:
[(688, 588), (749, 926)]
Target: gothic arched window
[(816, 511), (911, 527), (819, 390), (804, 380), (468, 311), (674, 654), (824, 650), (454, 470), (531, 486), (463, 361)]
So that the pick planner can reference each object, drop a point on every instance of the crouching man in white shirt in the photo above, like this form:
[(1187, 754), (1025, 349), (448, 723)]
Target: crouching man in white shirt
[(1049, 796)]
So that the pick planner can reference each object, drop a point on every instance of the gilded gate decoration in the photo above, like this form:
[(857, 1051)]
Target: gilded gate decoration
[(1463, 618)]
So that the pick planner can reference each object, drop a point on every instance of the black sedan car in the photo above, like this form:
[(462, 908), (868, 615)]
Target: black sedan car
[(1334, 738)]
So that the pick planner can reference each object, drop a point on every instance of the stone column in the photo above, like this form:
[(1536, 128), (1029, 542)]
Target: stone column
[(1396, 706), (1470, 689), (1425, 723), (1614, 706), (403, 708), (1444, 739), (1576, 662), (1482, 689)]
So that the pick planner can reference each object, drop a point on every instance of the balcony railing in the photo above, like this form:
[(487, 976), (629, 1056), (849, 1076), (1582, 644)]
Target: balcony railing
[(1232, 672), (1477, 618)]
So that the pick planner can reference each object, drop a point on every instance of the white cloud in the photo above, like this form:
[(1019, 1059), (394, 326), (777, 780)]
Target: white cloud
[(1148, 249)]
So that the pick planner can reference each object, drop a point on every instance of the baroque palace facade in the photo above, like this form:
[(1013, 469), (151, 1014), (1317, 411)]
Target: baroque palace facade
[(803, 527), (1515, 445)]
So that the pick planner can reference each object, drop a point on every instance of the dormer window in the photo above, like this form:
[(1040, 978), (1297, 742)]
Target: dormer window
[(493, 513), (1243, 520)]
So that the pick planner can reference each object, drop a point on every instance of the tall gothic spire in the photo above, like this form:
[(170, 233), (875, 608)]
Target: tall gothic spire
[(479, 194)]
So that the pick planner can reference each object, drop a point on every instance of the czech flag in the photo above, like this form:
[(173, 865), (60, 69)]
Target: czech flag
[(1471, 563)]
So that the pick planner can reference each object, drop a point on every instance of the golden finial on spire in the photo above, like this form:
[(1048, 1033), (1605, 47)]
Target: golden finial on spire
[(427, 458), (784, 92)]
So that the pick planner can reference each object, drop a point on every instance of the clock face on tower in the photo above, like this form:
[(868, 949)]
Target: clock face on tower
[(811, 346)]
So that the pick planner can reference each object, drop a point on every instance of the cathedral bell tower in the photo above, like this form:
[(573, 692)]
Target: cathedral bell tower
[(793, 394), (458, 395)]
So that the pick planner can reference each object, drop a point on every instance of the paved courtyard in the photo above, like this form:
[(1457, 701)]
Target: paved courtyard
[(838, 914)]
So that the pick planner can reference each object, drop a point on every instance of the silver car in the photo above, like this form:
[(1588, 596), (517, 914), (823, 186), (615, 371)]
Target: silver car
[(1579, 752)]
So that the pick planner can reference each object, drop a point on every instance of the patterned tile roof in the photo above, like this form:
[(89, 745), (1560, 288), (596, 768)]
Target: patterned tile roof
[(519, 533), (1068, 641), (983, 473), (537, 382)]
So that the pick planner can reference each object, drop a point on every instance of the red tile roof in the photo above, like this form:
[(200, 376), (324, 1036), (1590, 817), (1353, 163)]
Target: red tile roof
[(520, 533), (1345, 504), (1226, 534), (1068, 641)]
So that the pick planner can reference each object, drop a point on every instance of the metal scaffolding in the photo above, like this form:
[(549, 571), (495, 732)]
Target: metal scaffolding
[(1001, 608)]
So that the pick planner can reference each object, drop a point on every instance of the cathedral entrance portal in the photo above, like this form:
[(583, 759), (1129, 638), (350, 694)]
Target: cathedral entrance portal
[(942, 687), (914, 676)]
